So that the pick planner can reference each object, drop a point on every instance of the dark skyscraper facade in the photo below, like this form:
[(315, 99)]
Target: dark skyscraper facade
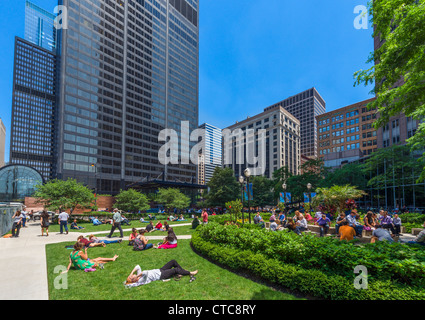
[(33, 107), (127, 70)]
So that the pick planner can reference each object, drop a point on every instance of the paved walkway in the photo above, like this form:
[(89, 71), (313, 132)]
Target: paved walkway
[(23, 268)]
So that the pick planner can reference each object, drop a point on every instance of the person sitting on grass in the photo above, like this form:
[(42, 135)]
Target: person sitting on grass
[(195, 222), (346, 232), (150, 227), (80, 260), (165, 273), (165, 226), (181, 218), (324, 223), (140, 243), (96, 221), (158, 226), (133, 235), (170, 241), (125, 221), (75, 226)]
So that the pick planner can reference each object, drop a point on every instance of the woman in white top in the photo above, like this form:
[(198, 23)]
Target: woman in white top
[(301, 224), (171, 269), (17, 220)]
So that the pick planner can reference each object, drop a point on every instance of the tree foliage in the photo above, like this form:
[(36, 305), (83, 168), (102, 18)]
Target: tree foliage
[(399, 64), (172, 198), (64, 195), (131, 201), (223, 187), (336, 196)]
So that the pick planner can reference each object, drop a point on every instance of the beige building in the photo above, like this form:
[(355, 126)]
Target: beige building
[(280, 143), (2, 143)]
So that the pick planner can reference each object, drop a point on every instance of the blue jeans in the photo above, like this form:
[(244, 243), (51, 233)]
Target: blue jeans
[(359, 229), (62, 225), (299, 229), (110, 241), (148, 246)]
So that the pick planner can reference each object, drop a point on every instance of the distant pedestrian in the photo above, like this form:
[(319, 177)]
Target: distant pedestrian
[(205, 217), (17, 222), (24, 216), (63, 221), (44, 222), (116, 223)]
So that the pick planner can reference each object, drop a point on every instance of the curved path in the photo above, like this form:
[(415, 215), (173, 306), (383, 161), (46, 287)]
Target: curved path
[(23, 268)]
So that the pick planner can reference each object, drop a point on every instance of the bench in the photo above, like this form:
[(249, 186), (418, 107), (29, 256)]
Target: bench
[(316, 228)]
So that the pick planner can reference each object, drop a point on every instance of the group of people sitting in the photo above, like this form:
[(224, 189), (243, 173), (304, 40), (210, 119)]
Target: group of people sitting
[(347, 227), (139, 242)]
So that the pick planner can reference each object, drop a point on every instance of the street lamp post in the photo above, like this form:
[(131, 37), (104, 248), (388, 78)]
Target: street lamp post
[(242, 181), (284, 186), (247, 174), (95, 183), (309, 194)]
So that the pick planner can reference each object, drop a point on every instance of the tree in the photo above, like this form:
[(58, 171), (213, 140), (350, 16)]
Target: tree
[(262, 191), (399, 64), (64, 194), (349, 174), (336, 196), (234, 208), (172, 198), (223, 187), (131, 201)]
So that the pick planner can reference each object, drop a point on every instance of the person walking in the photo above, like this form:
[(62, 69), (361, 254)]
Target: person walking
[(24, 216), (17, 221), (63, 221), (44, 222), (116, 223)]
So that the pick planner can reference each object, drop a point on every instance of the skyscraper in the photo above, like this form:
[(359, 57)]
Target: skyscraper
[(127, 70), (2, 142), (39, 26), (33, 106), (211, 156), (305, 106)]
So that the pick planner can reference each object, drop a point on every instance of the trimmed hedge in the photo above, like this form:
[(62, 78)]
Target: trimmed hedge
[(308, 282)]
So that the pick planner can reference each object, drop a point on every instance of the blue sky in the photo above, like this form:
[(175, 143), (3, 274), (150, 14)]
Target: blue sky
[(252, 54)]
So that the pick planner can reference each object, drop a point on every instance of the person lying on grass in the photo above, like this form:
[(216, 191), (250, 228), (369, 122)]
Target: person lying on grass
[(169, 270), (80, 260)]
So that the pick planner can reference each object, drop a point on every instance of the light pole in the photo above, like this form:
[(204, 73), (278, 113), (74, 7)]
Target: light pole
[(247, 174), (95, 183), (242, 181), (309, 195), (284, 186)]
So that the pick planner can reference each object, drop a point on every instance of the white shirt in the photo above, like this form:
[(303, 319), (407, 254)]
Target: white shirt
[(147, 277), (63, 216), (302, 223), (23, 214)]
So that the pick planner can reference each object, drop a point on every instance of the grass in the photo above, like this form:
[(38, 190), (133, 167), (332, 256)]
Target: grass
[(212, 281)]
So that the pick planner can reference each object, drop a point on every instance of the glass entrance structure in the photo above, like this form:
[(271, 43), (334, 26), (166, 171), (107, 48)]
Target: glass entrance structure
[(18, 182)]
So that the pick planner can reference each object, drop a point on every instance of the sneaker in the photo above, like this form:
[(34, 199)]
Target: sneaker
[(192, 278)]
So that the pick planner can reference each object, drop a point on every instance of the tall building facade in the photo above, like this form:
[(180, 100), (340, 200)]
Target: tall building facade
[(211, 155), (39, 26), (282, 142), (33, 107), (127, 70), (306, 106), (347, 134), (2, 143)]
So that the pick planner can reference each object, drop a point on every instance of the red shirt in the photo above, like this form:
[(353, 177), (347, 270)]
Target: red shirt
[(205, 217), (158, 226)]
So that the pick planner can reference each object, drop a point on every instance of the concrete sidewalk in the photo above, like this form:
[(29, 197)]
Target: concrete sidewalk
[(23, 268)]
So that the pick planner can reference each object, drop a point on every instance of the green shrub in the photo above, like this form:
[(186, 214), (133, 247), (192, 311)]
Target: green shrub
[(308, 282)]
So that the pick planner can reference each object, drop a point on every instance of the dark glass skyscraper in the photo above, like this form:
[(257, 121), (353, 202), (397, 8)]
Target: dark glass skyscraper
[(33, 106), (39, 26), (127, 70)]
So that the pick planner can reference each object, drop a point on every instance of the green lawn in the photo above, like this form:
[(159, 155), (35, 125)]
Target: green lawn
[(212, 282), (89, 227)]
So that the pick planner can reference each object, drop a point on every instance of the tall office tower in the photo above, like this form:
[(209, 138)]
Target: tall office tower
[(39, 26), (128, 69), (306, 106), (211, 155), (33, 106), (281, 143), (2, 142)]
